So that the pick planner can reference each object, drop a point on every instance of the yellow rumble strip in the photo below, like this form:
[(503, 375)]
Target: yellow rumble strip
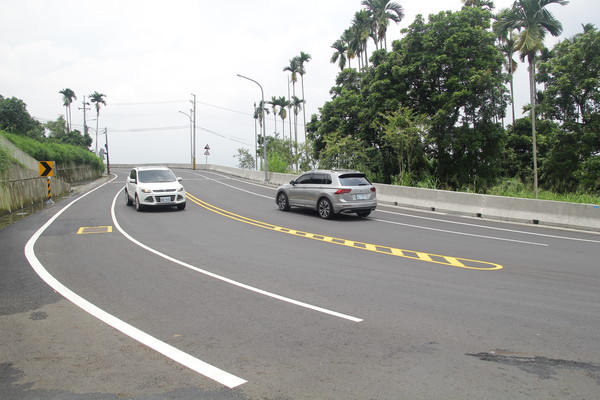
[(415, 255)]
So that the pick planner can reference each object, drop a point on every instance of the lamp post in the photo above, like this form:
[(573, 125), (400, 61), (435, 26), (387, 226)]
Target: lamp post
[(262, 117), (191, 140), (193, 111)]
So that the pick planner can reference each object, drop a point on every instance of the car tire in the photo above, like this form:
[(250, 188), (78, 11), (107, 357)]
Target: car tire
[(127, 198), (181, 206), (363, 213), (283, 202), (325, 208), (138, 206)]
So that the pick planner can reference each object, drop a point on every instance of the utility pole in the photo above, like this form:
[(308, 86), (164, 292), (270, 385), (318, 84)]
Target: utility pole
[(194, 132), (84, 108)]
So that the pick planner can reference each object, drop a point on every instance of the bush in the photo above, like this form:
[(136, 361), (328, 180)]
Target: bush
[(50, 151)]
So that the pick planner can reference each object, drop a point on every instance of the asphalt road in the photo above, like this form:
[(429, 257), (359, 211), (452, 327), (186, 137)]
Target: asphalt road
[(233, 299)]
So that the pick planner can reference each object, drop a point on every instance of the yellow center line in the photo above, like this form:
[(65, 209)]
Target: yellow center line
[(413, 255)]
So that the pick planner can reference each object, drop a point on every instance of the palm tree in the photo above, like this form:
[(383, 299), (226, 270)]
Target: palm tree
[(68, 97), (351, 45), (339, 56), (382, 12), (507, 47), (296, 105), (532, 20), (362, 28), (283, 103), (303, 58), (274, 103), (97, 99), (479, 3), (259, 113)]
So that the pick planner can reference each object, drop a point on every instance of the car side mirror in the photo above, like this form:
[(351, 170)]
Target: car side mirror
[(292, 182), (130, 179), (179, 179)]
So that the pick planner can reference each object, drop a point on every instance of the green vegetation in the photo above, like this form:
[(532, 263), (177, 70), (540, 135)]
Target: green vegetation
[(6, 159), (430, 112), (57, 152)]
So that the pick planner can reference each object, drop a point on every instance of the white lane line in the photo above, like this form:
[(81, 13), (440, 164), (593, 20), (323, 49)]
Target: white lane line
[(459, 233), (167, 350), (490, 227), (227, 280)]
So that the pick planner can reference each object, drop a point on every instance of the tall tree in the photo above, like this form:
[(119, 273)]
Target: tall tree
[(274, 103), (532, 20), (479, 3), (68, 97), (507, 47), (382, 12), (302, 59), (340, 54), (283, 104), (362, 29), (97, 99)]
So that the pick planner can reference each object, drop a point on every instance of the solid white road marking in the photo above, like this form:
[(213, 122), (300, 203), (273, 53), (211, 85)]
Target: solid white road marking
[(227, 280), (167, 350)]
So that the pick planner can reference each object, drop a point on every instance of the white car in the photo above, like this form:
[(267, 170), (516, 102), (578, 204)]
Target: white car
[(154, 186)]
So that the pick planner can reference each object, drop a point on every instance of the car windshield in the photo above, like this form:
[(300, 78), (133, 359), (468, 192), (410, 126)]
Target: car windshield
[(354, 180), (156, 175)]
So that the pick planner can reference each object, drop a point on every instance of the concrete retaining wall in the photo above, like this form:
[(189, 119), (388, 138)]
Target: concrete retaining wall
[(22, 187)]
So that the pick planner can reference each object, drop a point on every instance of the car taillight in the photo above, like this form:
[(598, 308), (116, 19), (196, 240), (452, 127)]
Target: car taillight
[(373, 189), (342, 191)]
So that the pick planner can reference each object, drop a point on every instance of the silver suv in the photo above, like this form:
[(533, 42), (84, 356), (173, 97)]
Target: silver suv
[(329, 192)]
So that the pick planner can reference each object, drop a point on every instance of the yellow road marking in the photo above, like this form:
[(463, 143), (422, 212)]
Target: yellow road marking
[(414, 255), (94, 229)]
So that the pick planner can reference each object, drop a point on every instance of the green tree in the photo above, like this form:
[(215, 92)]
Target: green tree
[(362, 29), (97, 99), (533, 20), (302, 59), (382, 12), (15, 118), (245, 159), (68, 97), (452, 72), (340, 54), (572, 98), (58, 132)]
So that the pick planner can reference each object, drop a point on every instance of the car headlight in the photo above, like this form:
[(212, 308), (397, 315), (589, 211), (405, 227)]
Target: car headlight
[(143, 190), (180, 189)]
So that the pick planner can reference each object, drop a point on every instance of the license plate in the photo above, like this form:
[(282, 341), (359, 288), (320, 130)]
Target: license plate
[(362, 196), (164, 199)]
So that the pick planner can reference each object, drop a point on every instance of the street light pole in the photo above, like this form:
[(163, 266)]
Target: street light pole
[(262, 116), (194, 134), (191, 141)]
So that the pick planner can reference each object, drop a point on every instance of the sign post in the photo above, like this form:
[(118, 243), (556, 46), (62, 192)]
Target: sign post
[(47, 170), (207, 152)]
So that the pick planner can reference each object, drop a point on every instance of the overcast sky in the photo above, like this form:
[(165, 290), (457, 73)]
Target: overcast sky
[(149, 56)]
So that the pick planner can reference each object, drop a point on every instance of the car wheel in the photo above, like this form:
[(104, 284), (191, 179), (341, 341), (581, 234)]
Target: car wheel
[(181, 206), (363, 213), (283, 202), (325, 208), (127, 198), (138, 206)]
